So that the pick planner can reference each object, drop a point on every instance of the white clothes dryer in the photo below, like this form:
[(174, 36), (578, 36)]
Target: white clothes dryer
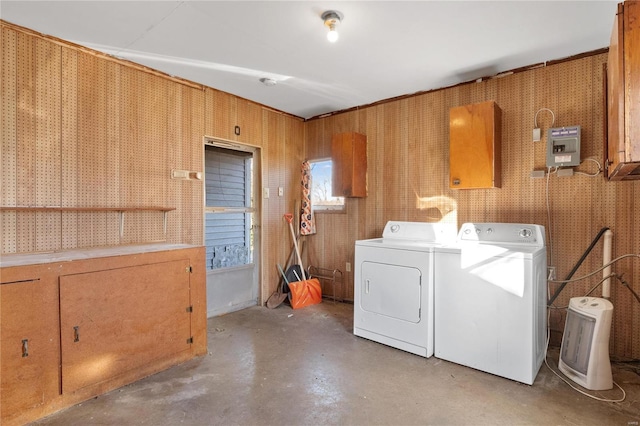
[(393, 292), (490, 299)]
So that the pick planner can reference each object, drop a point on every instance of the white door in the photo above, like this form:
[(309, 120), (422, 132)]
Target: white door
[(230, 216)]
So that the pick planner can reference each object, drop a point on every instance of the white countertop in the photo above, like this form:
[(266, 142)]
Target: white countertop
[(8, 260)]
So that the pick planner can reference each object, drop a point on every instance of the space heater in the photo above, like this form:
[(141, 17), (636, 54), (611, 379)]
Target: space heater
[(584, 354)]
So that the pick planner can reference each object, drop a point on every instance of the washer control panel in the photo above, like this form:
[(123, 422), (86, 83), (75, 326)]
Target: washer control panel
[(510, 233)]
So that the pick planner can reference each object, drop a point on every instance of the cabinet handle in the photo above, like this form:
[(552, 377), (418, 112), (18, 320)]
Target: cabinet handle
[(76, 334), (25, 348), (367, 287)]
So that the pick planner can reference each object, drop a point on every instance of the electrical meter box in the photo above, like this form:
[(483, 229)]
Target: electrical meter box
[(563, 146)]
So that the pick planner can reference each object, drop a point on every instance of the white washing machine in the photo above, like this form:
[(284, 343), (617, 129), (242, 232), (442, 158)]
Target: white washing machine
[(490, 299), (393, 300)]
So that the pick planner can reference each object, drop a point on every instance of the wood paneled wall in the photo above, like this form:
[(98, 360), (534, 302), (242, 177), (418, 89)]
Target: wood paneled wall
[(80, 129), (83, 130), (407, 148)]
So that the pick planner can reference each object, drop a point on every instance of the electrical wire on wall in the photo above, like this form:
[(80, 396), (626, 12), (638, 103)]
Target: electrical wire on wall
[(591, 174), (535, 117), (622, 398), (550, 233), (538, 137)]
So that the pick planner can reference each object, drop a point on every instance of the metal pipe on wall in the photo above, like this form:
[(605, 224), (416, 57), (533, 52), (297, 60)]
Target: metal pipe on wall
[(606, 258)]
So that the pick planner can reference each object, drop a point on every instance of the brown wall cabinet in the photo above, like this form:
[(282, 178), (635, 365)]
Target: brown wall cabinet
[(80, 323), (349, 156), (475, 133), (623, 95)]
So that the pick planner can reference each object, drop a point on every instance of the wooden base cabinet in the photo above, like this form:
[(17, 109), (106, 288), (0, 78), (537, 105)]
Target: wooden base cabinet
[(79, 327), (122, 319), (28, 347)]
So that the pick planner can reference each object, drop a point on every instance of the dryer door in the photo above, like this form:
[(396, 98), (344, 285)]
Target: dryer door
[(391, 290)]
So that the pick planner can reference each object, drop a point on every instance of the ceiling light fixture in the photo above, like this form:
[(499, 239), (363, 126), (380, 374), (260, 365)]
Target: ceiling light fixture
[(331, 19)]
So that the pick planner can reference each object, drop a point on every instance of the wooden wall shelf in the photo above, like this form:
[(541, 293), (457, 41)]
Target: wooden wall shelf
[(83, 209), (120, 210)]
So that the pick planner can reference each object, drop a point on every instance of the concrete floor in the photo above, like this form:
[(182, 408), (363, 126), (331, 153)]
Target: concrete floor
[(305, 367)]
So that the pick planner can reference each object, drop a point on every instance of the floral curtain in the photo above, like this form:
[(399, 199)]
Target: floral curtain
[(307, 221)]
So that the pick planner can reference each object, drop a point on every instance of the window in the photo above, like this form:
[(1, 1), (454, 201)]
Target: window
[(321, 197)]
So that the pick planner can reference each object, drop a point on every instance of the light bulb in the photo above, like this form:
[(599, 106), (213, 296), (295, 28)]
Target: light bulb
[(332, 35)]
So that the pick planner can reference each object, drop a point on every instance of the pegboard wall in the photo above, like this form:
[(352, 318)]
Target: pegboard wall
[(408, 147), (89, 134)]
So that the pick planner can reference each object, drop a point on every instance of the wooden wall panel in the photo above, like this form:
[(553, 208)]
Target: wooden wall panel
[(92, 159), (177, 112), (47, 144), (276, 235), (86, 133), (25, 137), (152, 172), (108, 125), (219, 119), (8, 135), (69, 147), (408, 172), (112, 151), (193, 216)]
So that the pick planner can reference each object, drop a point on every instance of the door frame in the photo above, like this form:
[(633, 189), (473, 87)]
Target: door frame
[(256, 192)]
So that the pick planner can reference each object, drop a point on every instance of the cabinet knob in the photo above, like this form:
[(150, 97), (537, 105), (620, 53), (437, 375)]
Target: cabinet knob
[(25, 348), (76, 333), (456, 182)]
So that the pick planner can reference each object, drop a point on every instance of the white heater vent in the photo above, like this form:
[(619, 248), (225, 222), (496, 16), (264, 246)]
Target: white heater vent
[(584, 354)]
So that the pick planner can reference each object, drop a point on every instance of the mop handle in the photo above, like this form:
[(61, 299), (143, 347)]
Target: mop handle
[(289, 218)]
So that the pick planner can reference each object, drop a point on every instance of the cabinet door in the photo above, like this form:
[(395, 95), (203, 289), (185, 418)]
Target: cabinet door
[(248, 121), (623, 100), (349, 156), (116, 320), (615, 95), (28, 347), (475, 146)]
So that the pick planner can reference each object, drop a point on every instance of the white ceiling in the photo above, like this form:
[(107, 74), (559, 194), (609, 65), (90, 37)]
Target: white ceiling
[(386, 48)]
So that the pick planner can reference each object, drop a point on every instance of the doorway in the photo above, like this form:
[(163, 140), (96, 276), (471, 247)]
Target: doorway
[(231, 231)]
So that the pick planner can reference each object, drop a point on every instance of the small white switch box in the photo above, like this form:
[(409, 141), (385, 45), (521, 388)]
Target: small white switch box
[(536, 135), (280, 191), (266, 193), (179, 174)]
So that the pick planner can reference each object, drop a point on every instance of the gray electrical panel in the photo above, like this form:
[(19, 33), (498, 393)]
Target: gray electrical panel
[(563, 146)]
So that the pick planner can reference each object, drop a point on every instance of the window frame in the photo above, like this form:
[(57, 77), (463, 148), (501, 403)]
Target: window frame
[(337, 208)]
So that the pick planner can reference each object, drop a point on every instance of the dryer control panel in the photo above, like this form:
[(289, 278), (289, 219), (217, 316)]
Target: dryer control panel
[(420, 231), (507, 233)]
